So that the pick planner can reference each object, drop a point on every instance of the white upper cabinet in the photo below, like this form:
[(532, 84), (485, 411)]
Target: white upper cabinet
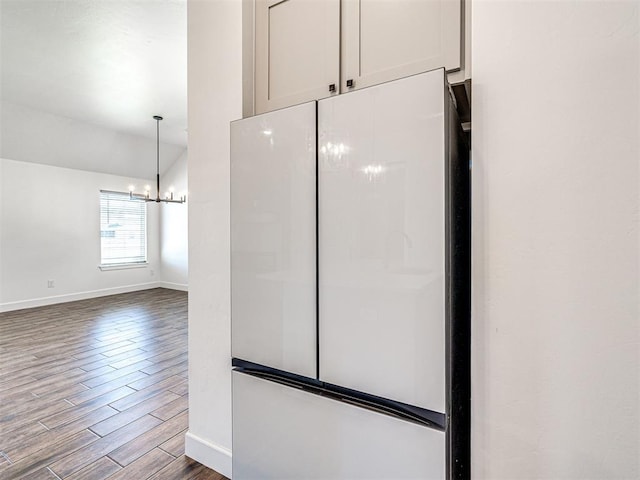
[(297, 51), (387, 40), (311, 49)]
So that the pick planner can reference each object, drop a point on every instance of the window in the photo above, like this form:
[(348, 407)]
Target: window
[(123, 229)]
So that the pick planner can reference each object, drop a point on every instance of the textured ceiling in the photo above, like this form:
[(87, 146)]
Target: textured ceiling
[(112, 64)]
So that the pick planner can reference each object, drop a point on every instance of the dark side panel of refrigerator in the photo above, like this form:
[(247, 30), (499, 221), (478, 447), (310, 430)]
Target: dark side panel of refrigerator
[(350, 287)]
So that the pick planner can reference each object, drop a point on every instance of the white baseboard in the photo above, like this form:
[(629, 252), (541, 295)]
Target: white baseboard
[(174, 286), (213, 456), (72, 297)]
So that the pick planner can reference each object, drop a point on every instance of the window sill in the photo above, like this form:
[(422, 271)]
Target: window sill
[(122, 266)]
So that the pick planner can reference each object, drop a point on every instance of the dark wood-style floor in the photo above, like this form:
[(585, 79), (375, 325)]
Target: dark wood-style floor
[(97, 389)]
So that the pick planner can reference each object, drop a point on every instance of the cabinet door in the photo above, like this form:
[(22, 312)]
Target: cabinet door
[(381, 227), (273, 239), (384, 41), (297, 51)]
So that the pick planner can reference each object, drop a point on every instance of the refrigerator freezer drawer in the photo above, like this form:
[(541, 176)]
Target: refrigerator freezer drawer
[(273, 239), (283, 433), (381, 227)]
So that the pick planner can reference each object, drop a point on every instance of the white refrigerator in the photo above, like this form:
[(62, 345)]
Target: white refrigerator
[(350, 287)]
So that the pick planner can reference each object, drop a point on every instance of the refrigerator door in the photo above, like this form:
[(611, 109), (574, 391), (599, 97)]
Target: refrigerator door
[(381, 226), (284, 433), (273, 239)]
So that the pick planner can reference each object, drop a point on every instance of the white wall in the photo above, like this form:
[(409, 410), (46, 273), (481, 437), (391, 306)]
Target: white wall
[(215, 98), (31, 135), (50, 230), (556, 248), (173, 229)]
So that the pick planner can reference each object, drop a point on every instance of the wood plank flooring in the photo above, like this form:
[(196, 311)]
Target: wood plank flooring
[(97, 389)]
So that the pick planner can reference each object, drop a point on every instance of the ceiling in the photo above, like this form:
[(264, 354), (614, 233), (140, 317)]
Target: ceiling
[(108, 65)]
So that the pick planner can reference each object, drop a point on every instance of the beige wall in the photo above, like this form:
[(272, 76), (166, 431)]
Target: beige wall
[(556, 250), (215, 98), (174, 228)]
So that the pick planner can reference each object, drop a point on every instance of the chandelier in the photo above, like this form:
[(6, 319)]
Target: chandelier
[(146, 196)]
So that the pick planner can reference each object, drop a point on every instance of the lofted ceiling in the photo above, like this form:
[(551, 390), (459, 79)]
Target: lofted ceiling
[(100, 66)]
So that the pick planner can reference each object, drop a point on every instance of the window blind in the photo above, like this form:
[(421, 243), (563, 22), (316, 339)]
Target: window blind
[(123, 229)]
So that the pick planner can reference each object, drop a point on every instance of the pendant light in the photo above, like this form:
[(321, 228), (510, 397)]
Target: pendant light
[(146, 196)]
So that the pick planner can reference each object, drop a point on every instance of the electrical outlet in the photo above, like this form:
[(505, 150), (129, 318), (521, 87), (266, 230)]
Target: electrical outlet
[(50, 284), (152, 272)]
